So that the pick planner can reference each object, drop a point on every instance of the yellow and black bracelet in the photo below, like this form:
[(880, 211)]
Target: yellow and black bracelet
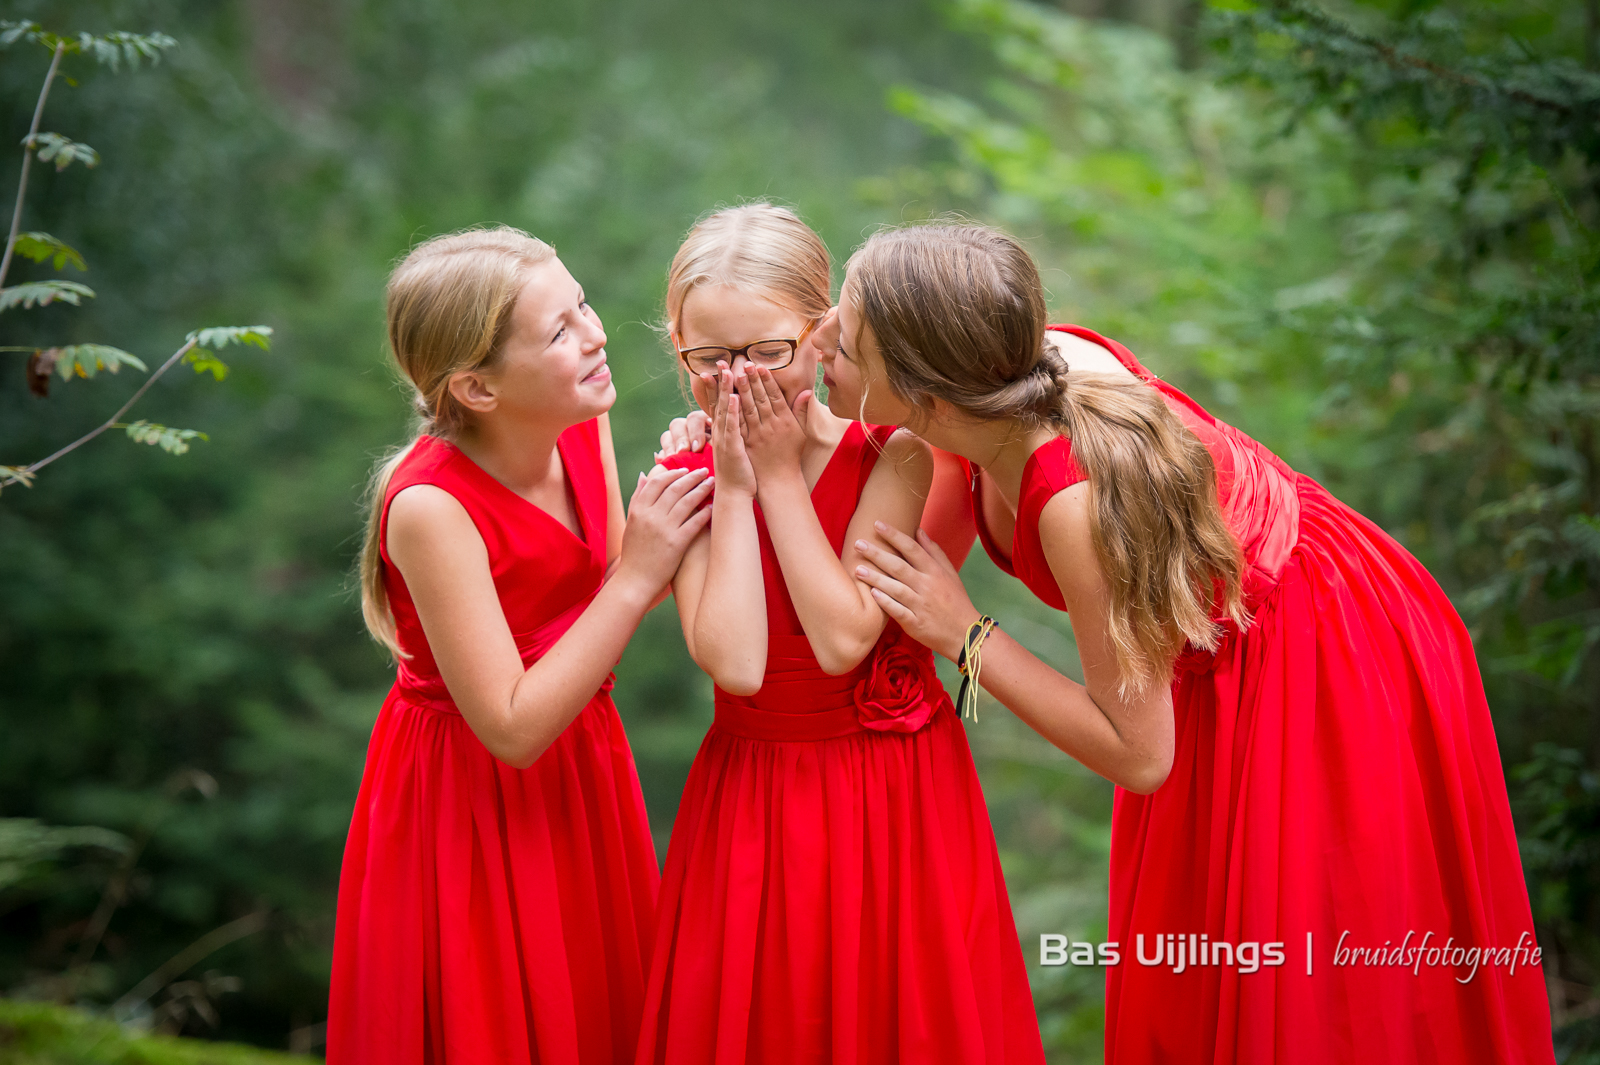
[(970, 662)]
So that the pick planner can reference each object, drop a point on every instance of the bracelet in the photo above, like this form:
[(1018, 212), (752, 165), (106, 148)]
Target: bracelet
[(970, 662)]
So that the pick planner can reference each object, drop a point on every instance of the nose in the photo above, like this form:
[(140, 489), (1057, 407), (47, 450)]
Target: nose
[(597, 332)]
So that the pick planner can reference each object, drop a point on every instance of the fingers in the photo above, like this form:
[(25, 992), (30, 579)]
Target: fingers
[(902, 616), (690, 498), (885, 560), (681, 486), (802, 403), (908, 548), (886, 584), (651, 487), (761, 393), (697, 429), (931, 546), (749, 407)]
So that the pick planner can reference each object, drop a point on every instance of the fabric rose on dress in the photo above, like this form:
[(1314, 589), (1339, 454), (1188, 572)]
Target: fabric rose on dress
[(901, 691)]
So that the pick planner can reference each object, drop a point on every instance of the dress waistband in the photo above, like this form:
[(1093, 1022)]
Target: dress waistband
[(751, 723)]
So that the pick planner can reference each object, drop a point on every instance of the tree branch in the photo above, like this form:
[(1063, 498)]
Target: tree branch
[(27, 158), (110, 423), (1398, 60)]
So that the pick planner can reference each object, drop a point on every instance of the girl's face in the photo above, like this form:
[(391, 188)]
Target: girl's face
[(853, 370), (553, 366), (722, 316)]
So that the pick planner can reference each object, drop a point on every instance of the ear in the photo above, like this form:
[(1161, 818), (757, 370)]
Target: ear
[(474, 391)]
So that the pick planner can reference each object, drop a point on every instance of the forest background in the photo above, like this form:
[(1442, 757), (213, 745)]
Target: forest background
[(1364, 232)]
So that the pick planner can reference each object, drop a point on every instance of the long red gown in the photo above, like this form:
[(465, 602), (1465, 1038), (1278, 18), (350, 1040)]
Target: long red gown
[(1337, 778), (489, 914), (832, 892)]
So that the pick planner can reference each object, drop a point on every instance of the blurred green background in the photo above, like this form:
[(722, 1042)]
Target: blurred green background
[(1363, 232)]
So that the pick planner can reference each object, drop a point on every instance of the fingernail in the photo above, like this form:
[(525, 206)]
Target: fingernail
[(861, 545), (880, 526), (861, 571)]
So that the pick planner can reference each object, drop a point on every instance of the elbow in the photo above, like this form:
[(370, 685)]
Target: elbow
[(518, 755), (839, 656), (1146, 776), (738, 682), (737, 677)]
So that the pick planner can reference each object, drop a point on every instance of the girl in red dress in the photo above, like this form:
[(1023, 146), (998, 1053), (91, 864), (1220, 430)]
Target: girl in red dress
[(499, 884), (1312, 855), (832, 891)]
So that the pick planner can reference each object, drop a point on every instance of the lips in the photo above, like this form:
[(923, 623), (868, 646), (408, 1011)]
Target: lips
[(599, 373), (827, 381)]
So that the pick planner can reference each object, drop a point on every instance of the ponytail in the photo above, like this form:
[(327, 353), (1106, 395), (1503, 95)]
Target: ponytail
[(374, 596), (958, 314), (449, 308)]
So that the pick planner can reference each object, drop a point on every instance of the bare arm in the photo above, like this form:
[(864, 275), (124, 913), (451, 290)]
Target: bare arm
[(722, 569), (837, 611), (1128, 740), (616, 520), (947, 515), (515, 712)]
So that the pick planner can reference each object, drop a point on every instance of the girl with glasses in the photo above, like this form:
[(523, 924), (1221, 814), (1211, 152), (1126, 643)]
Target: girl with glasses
[(498, 892), (832, 891)]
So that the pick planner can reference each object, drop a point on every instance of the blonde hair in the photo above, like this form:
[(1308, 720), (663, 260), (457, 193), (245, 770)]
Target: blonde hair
[(758, 248), (449, 307), (958, 313)]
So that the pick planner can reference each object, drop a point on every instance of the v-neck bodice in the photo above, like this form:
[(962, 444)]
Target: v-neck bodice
[(544, 573)]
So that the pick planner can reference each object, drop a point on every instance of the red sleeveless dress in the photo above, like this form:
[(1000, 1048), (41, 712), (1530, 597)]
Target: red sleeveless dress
[(1337, 791), (832, 891), (490, 914)]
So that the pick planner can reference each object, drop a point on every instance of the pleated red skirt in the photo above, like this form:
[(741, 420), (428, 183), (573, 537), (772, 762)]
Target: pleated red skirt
[(1336, 776), (490, 914), (837, 901)]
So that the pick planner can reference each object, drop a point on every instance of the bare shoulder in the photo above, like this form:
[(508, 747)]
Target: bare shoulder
[(1085, 355), (910, 457), (424, 518), (1067, 537)]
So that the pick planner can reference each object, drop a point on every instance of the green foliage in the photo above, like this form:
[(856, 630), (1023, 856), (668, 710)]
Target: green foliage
[(1374, 247), (30, 850), (202, 358), (199, 613), (86, 360), (108, 49), (172, 441), (43, 293), (63, 151), (36, 1033), (42, 246)]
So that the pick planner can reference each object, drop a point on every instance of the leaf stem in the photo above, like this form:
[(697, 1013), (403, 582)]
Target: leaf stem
[(27, 158), (110, 423)]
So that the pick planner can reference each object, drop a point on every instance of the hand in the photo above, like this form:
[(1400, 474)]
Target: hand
[(664, 517), (734, 469), (916, 585), (689, 433), (774, 435)]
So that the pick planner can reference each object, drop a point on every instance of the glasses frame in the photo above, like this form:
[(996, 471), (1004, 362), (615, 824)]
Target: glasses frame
[(734, 353)]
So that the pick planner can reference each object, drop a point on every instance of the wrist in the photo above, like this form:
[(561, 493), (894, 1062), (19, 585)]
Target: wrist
[(786, 480), (631, 590), (952, 642)]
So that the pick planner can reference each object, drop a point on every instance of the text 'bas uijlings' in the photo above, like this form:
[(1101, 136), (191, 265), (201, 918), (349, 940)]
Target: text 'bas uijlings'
[(1176, 952)]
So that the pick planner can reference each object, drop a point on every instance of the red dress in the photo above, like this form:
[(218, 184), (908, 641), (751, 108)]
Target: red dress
[(1336, 778), (490, 914), (832, 891)]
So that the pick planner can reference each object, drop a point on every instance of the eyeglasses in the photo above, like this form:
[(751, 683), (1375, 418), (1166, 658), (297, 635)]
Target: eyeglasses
[(772, 354)]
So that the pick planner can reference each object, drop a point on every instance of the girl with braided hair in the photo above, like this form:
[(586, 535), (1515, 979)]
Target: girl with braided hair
[(1311, 834)]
